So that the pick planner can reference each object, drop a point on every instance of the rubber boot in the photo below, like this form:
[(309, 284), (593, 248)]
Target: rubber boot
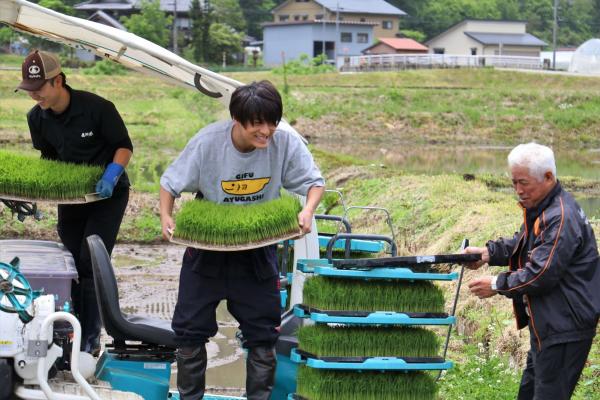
[(260, 372), (89, 317), (191, 372)]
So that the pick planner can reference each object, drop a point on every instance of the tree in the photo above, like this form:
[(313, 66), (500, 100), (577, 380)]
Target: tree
[(151, 23), (57, 5), (256, 12), (6, 36), (439, 15), (200, 16), (228, 12), (223, 38)]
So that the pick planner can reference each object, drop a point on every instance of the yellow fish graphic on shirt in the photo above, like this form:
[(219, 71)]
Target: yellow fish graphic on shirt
[(244, 186)]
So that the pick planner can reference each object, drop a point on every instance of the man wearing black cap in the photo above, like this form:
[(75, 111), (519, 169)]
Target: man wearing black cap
[(80, 127)]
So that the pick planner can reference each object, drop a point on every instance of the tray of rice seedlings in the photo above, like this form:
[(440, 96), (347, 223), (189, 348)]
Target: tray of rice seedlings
[(29, 178), (221, 227), (314, 384), (338, 300), (359, 342)]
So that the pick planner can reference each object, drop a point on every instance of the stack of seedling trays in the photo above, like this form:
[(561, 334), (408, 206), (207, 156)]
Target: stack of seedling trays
[(375, 331), (228, 227), (29, 178)]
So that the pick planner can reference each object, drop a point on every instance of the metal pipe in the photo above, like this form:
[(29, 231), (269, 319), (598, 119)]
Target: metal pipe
[(42, 374)]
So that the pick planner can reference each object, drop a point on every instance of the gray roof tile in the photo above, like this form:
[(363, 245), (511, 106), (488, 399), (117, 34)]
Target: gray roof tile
[(508, 39), (361, 6)]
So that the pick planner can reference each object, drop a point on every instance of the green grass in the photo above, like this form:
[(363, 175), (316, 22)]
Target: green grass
[(227, 225), (480, 378), (34, 178), (368, 341), (345, 385), (373, 295)]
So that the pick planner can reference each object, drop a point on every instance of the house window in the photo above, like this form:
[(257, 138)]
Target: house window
[(302, 1), (363, 20), (283, 18), (439, 50), (319, 16), (296, 18), (346, 37), (387, 24), (362, 38), (305, 17), (473, 51)]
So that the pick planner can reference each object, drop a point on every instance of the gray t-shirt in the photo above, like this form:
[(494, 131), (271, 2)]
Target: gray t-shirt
[(212, 165)]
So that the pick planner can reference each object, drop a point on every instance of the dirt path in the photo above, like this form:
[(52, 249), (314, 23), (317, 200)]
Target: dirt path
[(148, 278)]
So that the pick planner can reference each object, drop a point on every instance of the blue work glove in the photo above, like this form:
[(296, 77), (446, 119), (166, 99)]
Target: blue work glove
[(107, 183)]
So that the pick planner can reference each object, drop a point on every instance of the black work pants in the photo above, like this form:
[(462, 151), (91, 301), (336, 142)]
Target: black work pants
[(78, 221), (75, 223), (553, 372), (253, 302)]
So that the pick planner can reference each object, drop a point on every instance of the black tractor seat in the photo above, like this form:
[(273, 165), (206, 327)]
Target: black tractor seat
[(155, 335)]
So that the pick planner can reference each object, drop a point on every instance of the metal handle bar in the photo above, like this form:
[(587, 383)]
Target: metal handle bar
[(387, 213), (350, 236)]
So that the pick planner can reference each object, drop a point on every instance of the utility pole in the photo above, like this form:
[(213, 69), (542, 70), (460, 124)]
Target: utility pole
[(337, 32), (174, 26), (554, 34), (323, 44)]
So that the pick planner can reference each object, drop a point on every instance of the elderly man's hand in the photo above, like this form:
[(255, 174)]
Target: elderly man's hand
[(485, 256), (482, 287)]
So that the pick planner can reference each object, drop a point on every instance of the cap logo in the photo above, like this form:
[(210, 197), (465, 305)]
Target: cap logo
[(34, 69)]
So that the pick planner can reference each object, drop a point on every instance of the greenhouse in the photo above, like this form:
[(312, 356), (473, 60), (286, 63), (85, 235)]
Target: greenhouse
[(586, 59)]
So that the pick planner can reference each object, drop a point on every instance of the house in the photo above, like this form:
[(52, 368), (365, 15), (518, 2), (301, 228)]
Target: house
[(487, 37), (124, 8), (396, 46), (313, 38), (384, 16)]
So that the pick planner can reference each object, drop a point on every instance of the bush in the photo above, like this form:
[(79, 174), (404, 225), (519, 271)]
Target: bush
[(105, 67), (305, 65)]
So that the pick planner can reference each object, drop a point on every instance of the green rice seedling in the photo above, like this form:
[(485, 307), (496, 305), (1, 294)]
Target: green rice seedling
[(316, 384), (372, 295), (368, 341), (34, 178), (215, 224)]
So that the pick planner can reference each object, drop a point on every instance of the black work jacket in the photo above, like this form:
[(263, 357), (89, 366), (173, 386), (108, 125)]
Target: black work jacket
[(554, 271), (89, 131)]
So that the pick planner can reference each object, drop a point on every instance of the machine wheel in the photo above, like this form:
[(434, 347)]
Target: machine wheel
[(7, 380)]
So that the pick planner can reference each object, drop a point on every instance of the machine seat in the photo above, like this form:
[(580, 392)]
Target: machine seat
[(120, 326)]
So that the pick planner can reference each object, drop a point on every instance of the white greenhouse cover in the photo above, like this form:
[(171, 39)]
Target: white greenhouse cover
[(586, 59)]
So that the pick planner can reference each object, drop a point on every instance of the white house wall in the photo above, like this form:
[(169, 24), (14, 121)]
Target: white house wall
[(455, 42), (493, 27)]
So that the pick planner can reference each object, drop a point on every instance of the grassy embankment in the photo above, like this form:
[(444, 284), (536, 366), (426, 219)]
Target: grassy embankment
[(431, 214)]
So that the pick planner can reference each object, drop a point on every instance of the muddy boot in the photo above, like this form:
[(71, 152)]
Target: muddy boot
[(260, 372), (89, 317), (191, 372)]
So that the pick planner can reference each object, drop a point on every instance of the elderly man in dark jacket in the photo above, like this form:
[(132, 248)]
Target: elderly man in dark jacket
[(553, 276)]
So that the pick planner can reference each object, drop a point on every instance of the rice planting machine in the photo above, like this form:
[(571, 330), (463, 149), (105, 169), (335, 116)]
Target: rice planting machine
[(39, 336)]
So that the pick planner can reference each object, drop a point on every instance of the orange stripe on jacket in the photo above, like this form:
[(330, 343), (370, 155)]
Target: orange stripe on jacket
[(562, 220)]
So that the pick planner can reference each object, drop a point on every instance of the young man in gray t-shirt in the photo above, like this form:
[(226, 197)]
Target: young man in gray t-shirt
[(218, 164)]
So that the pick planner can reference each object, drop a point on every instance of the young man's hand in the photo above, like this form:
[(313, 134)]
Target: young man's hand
[(305, 218), (168, 225), (106, 184), (485, 256)]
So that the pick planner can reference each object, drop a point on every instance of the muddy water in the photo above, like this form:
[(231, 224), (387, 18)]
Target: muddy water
[(148, 277)]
